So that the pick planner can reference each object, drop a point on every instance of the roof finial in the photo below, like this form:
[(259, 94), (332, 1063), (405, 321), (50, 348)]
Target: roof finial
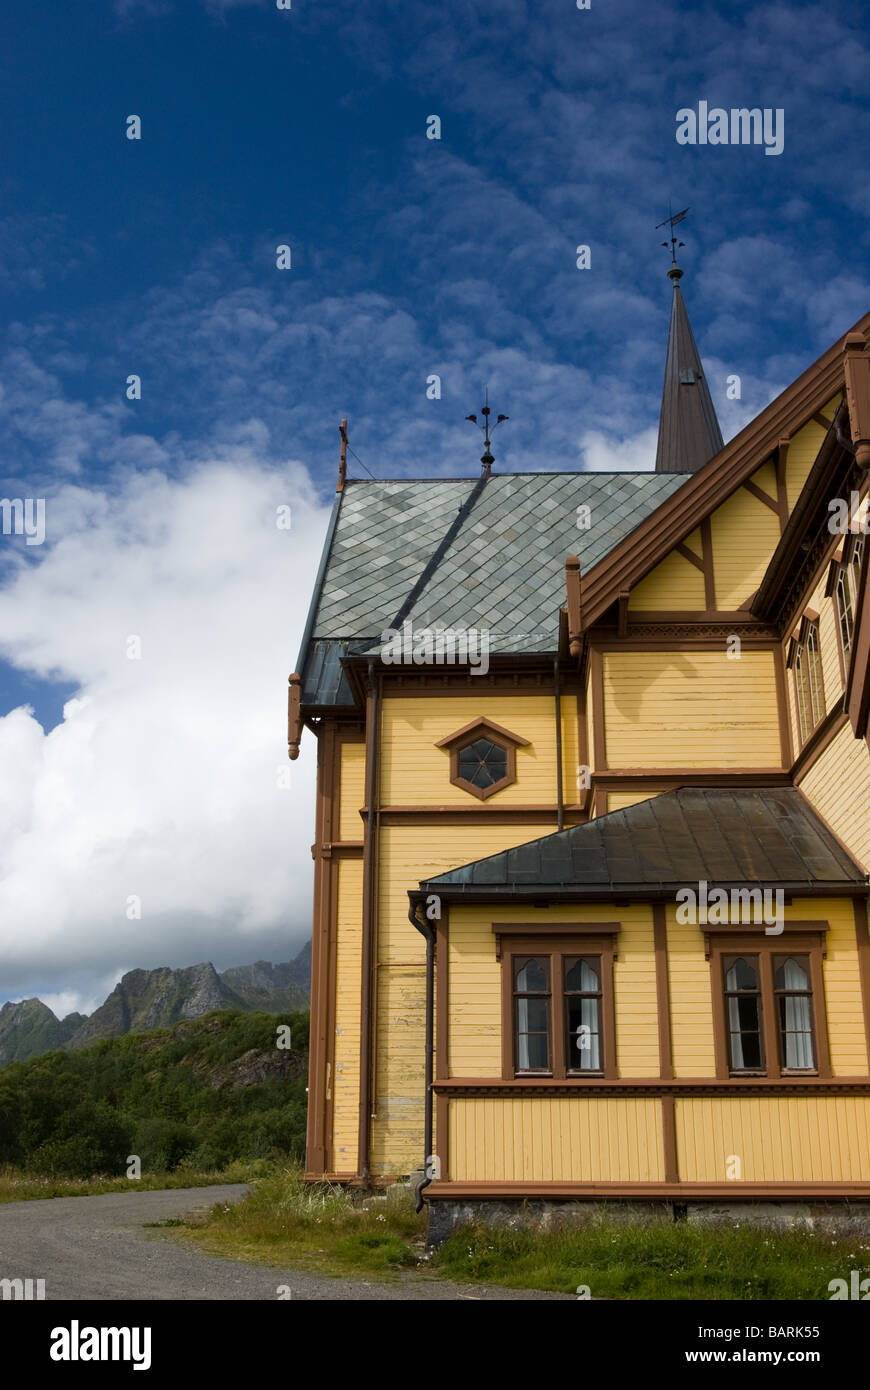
[(675, 274), (486, 457)]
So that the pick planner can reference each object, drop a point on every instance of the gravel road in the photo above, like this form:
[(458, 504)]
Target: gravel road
[(96, 1248)]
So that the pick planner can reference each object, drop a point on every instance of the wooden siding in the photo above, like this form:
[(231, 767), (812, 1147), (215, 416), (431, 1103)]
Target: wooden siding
[(565, 1139), (838, 786), (345, 1082), (415, 772), (745, 534), (691, 1002), (802, 450), (618, 801), (691, 709), (352, 794), (675, 583), (776, 1139), (408, 854)]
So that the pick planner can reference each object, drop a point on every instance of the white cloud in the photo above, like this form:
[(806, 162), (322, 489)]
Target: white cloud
[(603, 453), (162, 780)]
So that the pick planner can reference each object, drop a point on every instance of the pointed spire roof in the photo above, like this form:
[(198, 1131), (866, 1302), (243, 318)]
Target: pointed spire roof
[(689, 432)]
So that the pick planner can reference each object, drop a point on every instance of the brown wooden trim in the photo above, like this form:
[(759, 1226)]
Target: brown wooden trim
[(442, 996), (666, 779), (596, 679), (679, 1191), (637, 1086), (761, 495), (690, 555), (575, 616), (862, 943), (649, 542), (780, 457), (822, 420), (546, 930), (480, 815), (369, 988), (856, 370), (442, 1134), (669, 1138), (494, 682), (673, 632), (481, 722), (663, 993), (294, 715), (709, 573), (599, 801), (325, 906), (856, 699), (819, 741), (785, 741)]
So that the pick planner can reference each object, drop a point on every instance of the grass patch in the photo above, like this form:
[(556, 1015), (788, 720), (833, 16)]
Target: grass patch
[(661, 1260), (18, 1186), (291, 1222), (315, 1225)]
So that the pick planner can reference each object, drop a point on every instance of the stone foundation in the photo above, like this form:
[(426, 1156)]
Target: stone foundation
[(445, 1217)]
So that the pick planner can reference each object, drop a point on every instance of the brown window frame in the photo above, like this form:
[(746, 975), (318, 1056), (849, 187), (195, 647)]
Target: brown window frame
[(495, 733), (808, 673), (810, 943), (574, 942), (843, 589)]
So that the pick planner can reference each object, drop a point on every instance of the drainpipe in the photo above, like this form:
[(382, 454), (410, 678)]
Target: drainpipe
[(559, 797), (429, 932), (368, 925)]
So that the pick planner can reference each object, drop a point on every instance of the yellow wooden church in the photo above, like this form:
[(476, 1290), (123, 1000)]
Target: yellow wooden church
[(593, 815)]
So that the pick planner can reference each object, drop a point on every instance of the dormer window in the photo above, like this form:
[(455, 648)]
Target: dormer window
[(482, 757)]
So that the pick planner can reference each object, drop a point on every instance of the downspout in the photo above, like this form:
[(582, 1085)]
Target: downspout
[(559, 796), (372, 754), (429, 932)]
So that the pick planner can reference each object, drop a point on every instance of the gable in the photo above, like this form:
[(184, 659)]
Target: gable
[(787, 419)]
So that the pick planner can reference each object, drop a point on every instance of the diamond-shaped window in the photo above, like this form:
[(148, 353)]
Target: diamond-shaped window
[(482, 757)]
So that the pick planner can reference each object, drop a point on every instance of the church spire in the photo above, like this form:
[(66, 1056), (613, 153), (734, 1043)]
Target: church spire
[(689, 432)]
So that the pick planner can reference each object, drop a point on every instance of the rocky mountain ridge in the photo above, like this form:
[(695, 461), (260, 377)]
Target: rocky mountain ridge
[(145, 999)]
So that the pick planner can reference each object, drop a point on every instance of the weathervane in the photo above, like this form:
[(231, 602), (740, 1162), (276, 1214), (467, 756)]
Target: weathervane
[(671, 221), (486, 457)]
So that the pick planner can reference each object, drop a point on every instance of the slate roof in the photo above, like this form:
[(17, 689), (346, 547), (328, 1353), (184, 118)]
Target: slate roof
[(689, 433), (502, 568), (768, 836)]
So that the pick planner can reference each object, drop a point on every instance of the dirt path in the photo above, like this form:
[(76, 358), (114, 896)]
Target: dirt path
[(96, 1248)]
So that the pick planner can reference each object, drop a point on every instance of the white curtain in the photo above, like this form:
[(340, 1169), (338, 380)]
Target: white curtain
[(798, 1036)]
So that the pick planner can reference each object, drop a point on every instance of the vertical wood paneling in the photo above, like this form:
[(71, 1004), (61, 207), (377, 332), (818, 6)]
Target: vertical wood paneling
[(352, 793), (345, 1114), (745, 534), (777, 1138), (559, 1139)]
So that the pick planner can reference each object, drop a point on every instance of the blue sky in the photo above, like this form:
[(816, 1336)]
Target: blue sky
[(410, 257)]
